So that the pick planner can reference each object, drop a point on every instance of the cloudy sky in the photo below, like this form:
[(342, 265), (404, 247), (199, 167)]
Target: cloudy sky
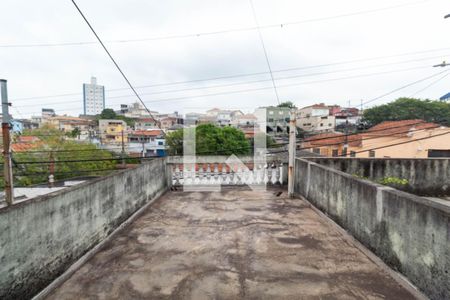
[(320, 51)]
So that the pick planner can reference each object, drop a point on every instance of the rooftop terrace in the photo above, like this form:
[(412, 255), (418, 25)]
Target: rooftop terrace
[(233, 244)]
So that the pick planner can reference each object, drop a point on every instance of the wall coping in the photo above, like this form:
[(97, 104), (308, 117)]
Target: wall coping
[(418, 199), (48, 196), (381, 158)]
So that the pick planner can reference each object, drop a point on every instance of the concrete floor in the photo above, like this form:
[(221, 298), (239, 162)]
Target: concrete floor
[(236, 244)]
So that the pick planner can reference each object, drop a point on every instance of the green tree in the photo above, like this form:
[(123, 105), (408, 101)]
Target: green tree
[(211, 140), (74, 133), (407, 109), (288, 104), (109, 113), (68, 157)]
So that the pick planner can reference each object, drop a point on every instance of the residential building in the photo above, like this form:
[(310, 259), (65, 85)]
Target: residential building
[(316, 110), (213, 112), (29, 124), (226, 117), (277, 119), (147, 143), (192, 118), (93, 97), (168, 122), (16, 126), (245, 120), (113, 131), (317, 124), (135, 110), (48, 113), (390, 139), (146, 123), (316, 118), (69, 124)]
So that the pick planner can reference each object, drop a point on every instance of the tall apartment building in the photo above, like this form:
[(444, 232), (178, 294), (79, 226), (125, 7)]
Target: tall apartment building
[(93, 97)]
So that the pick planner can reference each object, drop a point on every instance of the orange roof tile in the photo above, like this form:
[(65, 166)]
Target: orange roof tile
[(399, 127)]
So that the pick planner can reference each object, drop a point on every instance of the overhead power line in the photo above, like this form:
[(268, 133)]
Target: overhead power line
[(233, 83), (403, 87), (266, 88), (113, 60), (257, 73), (217, 32), (261, 39), (429, 85)]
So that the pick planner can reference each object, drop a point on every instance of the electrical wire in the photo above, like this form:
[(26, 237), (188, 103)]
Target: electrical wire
[(403, 87), (113, 60), (430, 85), (266, 88), (233, 84), (261, 39), (257, 73)]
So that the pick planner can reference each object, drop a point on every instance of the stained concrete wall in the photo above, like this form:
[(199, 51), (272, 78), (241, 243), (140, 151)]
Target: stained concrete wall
[(410, 233), (40, 238), (426, 177)]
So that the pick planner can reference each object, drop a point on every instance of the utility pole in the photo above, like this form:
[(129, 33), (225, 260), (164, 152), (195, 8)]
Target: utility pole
[(51, 177), (292, 152), (344, 151), (123, 150), (7, 165)]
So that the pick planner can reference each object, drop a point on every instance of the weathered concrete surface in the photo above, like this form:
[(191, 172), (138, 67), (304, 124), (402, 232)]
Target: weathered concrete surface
[(410, 233), (233, 244), (426, 177), (41, 237)]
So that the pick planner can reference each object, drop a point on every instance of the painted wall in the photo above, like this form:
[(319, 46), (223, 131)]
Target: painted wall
[(410, 233), (40, 238)]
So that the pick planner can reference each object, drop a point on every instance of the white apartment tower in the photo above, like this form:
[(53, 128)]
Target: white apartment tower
[(93, 97)]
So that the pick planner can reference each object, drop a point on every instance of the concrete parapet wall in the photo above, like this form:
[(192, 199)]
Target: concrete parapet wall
[(426, 177), (410, 233), (40, 238)]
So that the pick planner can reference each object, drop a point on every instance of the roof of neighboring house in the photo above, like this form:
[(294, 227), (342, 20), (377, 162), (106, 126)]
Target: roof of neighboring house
[(153, 132), (400, 127), (247, 116), (333, 139), (22, 147), (320, 105), (27, 139), (146, 120)]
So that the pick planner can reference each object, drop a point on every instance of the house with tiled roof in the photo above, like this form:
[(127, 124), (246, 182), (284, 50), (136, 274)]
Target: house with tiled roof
[(390, 139)]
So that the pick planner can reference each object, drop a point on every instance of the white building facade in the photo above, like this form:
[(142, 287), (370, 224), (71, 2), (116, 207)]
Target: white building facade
[(93, 97)]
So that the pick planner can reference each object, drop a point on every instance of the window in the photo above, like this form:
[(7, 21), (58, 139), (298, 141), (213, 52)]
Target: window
[(352, 154), (316, 150), (371, 153), (344, 152), (270, 112), (270, 120), (335, 153), (321, 124)]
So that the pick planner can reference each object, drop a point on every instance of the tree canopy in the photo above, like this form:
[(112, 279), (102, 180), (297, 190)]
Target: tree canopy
[(53, 146), (407, 109), (211, 140), (288, 104), (109, 113)]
